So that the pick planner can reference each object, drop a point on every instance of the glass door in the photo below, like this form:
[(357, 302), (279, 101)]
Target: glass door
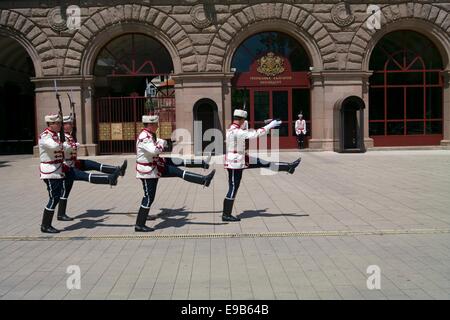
[(272, 104), (280, 110)]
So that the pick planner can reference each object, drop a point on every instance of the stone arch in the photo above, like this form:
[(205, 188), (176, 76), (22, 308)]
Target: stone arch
[(119, 20), (260, 17), (427, 19), (15, 25)]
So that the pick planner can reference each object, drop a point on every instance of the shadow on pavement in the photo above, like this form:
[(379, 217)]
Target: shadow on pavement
[(100, 213), (262, 213), (167, 214), (85, 223), (4, 164)]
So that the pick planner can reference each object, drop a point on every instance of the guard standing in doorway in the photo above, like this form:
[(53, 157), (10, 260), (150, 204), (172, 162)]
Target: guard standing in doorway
[(300, 130)]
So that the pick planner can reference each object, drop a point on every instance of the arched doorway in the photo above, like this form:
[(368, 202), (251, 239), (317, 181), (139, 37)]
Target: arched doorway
[(206, 115), (124, 68), (349, 124), (272, 80), (17, 99), (406, 91)]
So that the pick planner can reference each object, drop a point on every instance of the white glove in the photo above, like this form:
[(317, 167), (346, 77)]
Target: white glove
[(274, 124), (162, 143)]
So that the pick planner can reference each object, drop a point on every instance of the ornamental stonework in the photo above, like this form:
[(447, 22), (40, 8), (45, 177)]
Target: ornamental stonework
[(342, 15), (56, 20), (199, 17)]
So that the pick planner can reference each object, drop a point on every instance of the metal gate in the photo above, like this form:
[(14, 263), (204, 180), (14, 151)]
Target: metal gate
[(118, 121)]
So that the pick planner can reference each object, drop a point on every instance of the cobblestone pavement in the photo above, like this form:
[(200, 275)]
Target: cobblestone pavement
[(310, 235)]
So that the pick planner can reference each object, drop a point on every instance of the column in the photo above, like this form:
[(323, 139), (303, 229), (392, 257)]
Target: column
[(446, 110), (79, 90), (192, 87), (327, 88)]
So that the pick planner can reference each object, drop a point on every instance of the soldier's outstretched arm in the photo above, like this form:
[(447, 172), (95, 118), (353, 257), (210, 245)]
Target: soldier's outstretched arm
[(252, 134)]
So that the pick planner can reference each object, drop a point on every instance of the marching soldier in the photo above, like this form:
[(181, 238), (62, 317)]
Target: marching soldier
[(71, 161), (51, 154), (236, 158), (150, 167), (53, 170), (300, 130)]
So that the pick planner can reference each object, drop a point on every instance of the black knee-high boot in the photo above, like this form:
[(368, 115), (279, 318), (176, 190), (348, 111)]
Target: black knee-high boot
[(198, 178), (140, 221), (227, 209), (111, 169), (62, 205), (288, 167), (110, 179), (46, 225)]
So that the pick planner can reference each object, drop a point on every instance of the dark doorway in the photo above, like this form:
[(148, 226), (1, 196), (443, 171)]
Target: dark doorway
[(17, 97), (349, 125), (205, 112), (350, 129)]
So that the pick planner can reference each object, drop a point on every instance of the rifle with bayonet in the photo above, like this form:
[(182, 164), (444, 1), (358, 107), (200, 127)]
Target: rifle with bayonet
[(62, 136), (73, 115)]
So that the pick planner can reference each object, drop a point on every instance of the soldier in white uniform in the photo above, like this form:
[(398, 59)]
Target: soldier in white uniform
[(71, 161), (236, 158), (54, 171), (51, 154), (150, 167), (300, 130)]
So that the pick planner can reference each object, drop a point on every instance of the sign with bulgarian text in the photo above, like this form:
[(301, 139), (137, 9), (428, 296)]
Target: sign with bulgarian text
[(271, 70)]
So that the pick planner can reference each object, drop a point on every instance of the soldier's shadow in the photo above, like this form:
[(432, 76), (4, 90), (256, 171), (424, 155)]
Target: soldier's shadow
[(178, 218), (4, 164), (86, 223), (263, 213)]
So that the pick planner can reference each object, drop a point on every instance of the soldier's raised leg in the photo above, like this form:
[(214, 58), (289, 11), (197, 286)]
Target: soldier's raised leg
[(172, 171), (276, 166), (87, 165), (189, 163), (95, 178)]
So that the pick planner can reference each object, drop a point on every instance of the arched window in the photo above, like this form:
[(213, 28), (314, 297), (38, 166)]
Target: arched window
[(125, 68), (405, 96), (271, 79), (133, 55)]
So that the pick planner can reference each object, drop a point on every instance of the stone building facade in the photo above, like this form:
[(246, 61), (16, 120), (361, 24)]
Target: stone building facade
[(202, 38)]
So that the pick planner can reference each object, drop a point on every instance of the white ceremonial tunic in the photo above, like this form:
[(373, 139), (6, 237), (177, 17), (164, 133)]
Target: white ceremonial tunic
[(300, 126), (51, 155), (70, 150), (236, 156), (149, 165)]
